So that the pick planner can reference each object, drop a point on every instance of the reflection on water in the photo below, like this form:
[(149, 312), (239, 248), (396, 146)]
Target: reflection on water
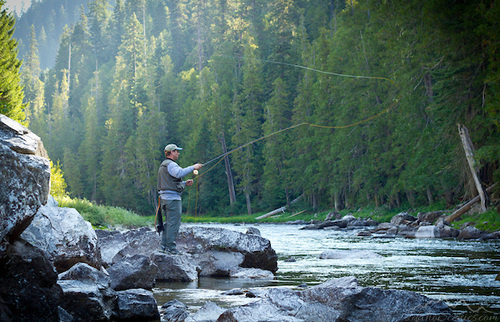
[(461, 273)]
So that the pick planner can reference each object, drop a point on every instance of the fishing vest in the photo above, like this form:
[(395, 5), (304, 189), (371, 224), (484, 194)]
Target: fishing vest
[(166, 181)]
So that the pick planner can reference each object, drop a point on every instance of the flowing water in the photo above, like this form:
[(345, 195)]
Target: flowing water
[(461, 273)]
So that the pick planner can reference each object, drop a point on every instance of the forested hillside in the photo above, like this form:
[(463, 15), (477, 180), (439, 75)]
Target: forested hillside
[(370, 93), (48, 18)]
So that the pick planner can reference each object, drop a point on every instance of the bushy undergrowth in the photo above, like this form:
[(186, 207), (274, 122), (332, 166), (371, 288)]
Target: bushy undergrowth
[(105, 216)]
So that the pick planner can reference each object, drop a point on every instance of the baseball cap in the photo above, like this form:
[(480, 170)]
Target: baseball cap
[(172, 147)]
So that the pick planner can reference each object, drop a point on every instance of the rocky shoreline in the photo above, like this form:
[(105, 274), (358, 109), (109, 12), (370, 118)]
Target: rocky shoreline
[(424, 225)]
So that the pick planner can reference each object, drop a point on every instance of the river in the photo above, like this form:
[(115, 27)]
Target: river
[(461, 273)]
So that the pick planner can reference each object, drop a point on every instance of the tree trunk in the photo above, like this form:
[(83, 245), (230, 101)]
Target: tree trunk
[(429, 195), (229, 174), (469, 154), (249, 204)]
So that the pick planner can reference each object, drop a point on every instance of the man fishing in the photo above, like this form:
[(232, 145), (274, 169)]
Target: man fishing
[(170, 187)]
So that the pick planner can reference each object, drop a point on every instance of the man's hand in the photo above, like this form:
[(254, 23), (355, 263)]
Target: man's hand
[(197, 166), (189, 182)]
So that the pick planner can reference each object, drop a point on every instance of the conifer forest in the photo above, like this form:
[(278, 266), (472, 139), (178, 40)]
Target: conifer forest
[(340, 103)]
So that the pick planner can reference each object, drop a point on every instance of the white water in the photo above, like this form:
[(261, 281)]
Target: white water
[(461, 273)]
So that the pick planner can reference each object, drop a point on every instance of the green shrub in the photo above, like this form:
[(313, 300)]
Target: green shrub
[(105, 216)]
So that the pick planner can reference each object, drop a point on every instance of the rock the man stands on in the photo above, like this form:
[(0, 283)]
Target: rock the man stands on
[(170, 187)]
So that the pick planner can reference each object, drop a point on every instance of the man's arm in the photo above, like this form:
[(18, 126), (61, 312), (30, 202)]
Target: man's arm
[(176, 171)]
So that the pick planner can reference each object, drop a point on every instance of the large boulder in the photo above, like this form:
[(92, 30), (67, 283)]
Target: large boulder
[(117, 245), (217, 263), (64, 235), (133, 272), (340, 299), (174, 268), (24, 177), (402, 218), (136, 305), (28, 285), (429, 231), (87, 293), (256, 250)]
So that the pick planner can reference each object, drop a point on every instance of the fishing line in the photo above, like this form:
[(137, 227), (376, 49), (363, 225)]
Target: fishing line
[(222, 156), (309, 68)]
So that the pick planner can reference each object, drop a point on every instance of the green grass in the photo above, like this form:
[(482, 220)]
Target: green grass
[(488, 221), (105, 216)]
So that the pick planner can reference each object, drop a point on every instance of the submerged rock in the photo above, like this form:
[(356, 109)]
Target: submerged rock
[(340, 299), (344, 254)]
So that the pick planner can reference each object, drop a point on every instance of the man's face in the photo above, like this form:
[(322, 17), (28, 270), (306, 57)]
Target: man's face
[(174, 155)]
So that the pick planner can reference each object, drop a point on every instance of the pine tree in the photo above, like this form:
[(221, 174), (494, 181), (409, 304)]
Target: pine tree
[(247, 123), (33, 88), (11, 93)]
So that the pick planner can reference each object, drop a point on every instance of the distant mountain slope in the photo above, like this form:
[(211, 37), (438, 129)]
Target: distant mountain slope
[(49, 18)]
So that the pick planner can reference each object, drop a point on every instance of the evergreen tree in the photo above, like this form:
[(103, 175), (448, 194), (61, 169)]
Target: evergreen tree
[(246, 123), (11, 93), (33, 88)]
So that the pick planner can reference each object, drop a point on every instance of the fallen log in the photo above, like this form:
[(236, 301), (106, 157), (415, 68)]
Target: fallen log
[(269, 214), (297, 213), (459, 212)]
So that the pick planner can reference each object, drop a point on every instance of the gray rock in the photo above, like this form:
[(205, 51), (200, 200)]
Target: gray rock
[(64, 235), (240, 272), (402, 218), (383, 227), (136, 305), (218, 263), (133, 272), (174, 311), (474, 233), (256, 250), (429, 217), (117, 245), (174, 268), (25, 178), (430, 231), (253, 231), (340, 299), (206, 252), (469, 232), (351, 254), (445, 230), (28, 285), (208, 313), (87, 293), (234, 291)]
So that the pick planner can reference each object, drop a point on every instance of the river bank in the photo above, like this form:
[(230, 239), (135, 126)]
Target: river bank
[(115, 217)]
